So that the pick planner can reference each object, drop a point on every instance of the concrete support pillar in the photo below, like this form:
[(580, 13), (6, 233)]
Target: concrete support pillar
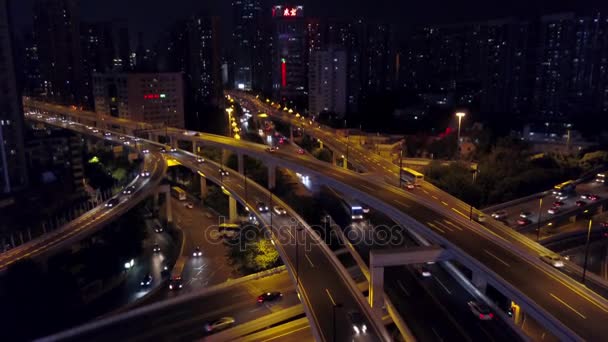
[(204, 189), (315, 185), (290, 132), (168, 206), (320, 144), (156, 200), (334, 158), (376, 289), (345, 163), (479, 281), (233, 215), (272, 176), (194, 147), (224, 156), (241, 163)]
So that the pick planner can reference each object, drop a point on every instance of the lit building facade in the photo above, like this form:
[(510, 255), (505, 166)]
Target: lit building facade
[(155, 98), (327, 81), (12, 160)]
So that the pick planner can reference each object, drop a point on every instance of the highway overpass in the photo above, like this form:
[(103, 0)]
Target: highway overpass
[(495, 255)]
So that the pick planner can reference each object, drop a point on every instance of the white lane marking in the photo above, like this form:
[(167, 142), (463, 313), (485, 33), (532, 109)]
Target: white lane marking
[(443, 285), (460, 212), (497, 258), (443, 226), (568, 306), (444, 203), (309, 261), (434, 226), (402, 287), (453, 225)]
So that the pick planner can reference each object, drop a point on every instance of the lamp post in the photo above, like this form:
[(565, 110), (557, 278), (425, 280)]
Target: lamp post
[(587, 250), (334, 306), (400, 164), (460, 115), (540, 205), (229, 110)]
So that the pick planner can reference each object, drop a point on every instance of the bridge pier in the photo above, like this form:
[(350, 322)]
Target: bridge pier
[(194, 147), (320, 144), (345, 163), (272, 176), (232, 213), (334, 158), (241, 163), (204, 189), (167, 194), (291, 133)]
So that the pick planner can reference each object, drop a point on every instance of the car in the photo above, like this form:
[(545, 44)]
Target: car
[(481, 218), (358, 322), (272, 149), (146, 151), (585, 196), (525, 214), (107, 134), (200, 160), (300, 151), (175, 283), (423, 271), (219, 324), (410, 185), (128, 190), (95, 130), (112, 202), (562, 197), (158, 229), (522, 221), (121, 137), (269, 296), (156, 248), (499, 215), (162, 150), (262, 207), (223, 172), (279, 210), (558, 203), (147, 281), (189, 205), (553, 260), (197, 252), (593, 197), (481, 310), (173, 149), (553, 210), (580, 203), (145, 174), (604, 224)]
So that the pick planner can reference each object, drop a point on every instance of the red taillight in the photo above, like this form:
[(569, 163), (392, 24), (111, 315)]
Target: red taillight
[(481, 316), (491, 315), (260, 300)]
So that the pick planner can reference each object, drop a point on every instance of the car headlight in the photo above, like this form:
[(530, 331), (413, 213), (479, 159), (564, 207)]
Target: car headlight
[(356, 328), (142, 283), (170, 287), (180, 286)]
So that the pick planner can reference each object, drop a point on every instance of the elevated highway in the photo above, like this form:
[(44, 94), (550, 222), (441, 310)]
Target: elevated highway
[(498, 257)]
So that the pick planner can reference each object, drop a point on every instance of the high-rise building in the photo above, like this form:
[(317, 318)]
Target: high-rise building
[(31, 69), (378, 59), (327, 78), (247, 41), (156, 98), (289, 74), (57, 35), (12, 160)]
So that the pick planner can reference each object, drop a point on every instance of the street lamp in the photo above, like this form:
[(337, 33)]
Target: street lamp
[(229, 110), (540, 205), (587, 250), (460, 115)]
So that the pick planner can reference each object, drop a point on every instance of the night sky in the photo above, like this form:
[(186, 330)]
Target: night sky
[(153, 16)]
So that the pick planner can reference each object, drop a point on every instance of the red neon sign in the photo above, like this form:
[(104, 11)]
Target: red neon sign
[(154, 96), (280, 11), (283, 72)]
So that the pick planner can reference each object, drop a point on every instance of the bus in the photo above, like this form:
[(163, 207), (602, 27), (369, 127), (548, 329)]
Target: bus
[(412, 176), (600, 178), (564, 189), (175, 283), (178, 193)]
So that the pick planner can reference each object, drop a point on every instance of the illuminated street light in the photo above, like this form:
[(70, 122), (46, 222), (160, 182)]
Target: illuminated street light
[(460, 115)]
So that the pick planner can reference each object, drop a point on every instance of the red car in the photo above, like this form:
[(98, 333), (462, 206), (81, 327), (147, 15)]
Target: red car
[(523, 221), (604, 224), (580, 203), (593, 197), (558, 203), (300, 151)]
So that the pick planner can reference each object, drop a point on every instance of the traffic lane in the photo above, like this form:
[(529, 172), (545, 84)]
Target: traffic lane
[(297, 331), (557, 298), (329, 290), (455, 297), (189, 317)]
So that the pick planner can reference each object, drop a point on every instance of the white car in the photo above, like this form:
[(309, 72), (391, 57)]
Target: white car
[(173, 149), (481, 310), (423, 271), (500, 215), (554, 261), (223, 172), (145, 174), (197, 252), (189, 205), (219, 324), (146, 151), (553, 210), (200, 160), (279, 210)]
